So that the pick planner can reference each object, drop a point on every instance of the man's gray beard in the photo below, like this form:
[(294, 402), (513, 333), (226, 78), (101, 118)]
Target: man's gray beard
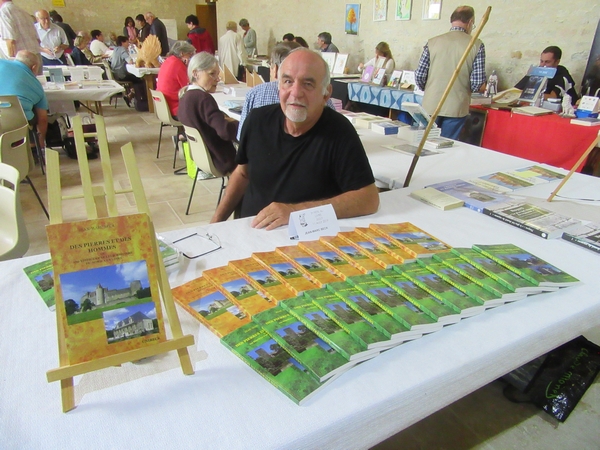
[(296, 115)]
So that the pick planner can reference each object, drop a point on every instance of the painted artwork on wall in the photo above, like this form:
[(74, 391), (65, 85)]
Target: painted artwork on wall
[(379, 10), (352, 18), (403, 9), (432, 9)]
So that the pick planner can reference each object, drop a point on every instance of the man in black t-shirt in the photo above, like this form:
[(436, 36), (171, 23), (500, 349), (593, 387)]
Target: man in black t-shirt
[(299, 154), (561, 83)]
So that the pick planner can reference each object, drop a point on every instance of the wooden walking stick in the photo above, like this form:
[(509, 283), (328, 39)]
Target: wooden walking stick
[(574, 168), (474, 37)]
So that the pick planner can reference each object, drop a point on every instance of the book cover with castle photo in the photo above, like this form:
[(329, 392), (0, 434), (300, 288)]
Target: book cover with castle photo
[(106, 285)]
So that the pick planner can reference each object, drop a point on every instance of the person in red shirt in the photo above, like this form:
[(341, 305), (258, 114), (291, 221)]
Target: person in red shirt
[(173, 75), (199, 37)]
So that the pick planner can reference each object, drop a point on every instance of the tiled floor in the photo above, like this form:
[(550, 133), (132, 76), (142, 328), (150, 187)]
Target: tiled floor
[(482, 420)]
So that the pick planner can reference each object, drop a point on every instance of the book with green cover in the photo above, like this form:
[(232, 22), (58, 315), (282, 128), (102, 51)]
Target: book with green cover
[(322, 360), (479, 277), (335, 258), (258, 349), (463, 284), (372, 312), (429, 281), (437, 310), (41, 276), (499, 273), (400, 307), (355, 324), (527, 265), (323, 326)]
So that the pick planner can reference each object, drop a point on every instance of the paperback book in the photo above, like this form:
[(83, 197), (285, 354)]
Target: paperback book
[(401, 308), (373, 313), (259, 350), (106, 285), (474, 197), (480, 278), (284, 271), (385, 244), (438, 199), (357, 257), (238, 289), (527, 265), (203, 300), (349, 320), (336, 259), (533, 219), (501, 274), (262, 279), (41, 276), (440, 289), (322, 360), (462, 283), (394, 81), (501, 182), (586, 236), (315, 319), (420, 298), (315, 271), (413, 239), (535, 174), (373, 251)]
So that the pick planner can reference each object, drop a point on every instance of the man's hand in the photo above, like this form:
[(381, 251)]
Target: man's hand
[(273, 216)]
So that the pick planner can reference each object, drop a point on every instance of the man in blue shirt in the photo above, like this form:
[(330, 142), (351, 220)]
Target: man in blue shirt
[(18, 79), (268, 93)]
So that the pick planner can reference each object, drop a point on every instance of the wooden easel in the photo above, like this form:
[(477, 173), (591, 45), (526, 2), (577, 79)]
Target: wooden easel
[(100, 201)]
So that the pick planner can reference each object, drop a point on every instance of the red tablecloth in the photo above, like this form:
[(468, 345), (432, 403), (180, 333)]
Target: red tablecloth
[(548, 139)]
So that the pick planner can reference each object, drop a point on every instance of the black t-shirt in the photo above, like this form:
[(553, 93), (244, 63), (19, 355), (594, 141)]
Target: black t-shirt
[(326, 161), (561, 79)]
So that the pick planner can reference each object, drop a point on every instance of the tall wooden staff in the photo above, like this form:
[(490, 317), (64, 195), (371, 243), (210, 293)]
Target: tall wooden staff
[(474, 37)]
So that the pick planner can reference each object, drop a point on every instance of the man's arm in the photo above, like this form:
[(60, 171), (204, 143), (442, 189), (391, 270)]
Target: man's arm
[(355, 203), (238, 181), (42, 124), (478, 78), (422, 71)]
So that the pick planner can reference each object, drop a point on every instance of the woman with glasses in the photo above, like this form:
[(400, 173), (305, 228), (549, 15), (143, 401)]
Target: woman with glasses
[(198, 109)]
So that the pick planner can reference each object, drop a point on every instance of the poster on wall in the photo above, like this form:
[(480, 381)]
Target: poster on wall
[(432, 9), (379, 10), (352, 18), (403, 9), (58, 3)]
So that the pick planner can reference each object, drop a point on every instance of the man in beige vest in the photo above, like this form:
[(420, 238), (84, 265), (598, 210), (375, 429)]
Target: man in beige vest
[(437, 64)]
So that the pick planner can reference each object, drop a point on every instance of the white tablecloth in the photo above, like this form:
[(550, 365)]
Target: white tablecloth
[(95, 91), (226, 405)]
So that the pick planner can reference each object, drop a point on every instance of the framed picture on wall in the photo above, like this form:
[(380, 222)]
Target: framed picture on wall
[(352, 19), (403, 9), (379, 10), (432, 9)]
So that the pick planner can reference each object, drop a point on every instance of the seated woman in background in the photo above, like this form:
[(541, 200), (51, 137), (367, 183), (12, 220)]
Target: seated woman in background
[(199, 109), (78, 55), (383, 59), (119, 60), (130, 30), (173, 76)]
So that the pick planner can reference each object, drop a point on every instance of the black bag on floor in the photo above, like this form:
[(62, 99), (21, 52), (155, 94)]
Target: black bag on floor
[(141, 97), (58, 130)]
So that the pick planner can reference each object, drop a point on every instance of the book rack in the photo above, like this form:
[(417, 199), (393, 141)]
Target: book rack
[(100, 201)]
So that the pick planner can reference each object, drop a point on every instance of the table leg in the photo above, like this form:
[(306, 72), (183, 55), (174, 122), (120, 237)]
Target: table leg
[(150, 80)]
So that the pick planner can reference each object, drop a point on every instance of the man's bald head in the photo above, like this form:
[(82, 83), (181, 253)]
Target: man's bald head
[(31, 60)]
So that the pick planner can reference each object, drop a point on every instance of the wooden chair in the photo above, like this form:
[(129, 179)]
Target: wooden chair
[(14, 241), (203, 160), (163, 113), (15, 151)]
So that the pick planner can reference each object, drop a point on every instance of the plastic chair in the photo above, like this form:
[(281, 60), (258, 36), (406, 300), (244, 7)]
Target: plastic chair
[(162, 111), (69, 59), (14, 241), (203, 160), (111, 76), (14, 150)]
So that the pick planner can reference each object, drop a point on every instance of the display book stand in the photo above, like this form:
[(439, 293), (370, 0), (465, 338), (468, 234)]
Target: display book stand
[(100, 201)]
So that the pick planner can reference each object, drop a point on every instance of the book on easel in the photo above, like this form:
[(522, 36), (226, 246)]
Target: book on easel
[(106, 285)]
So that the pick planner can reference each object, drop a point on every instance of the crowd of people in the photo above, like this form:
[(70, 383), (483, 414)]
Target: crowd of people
[(288, 126)]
